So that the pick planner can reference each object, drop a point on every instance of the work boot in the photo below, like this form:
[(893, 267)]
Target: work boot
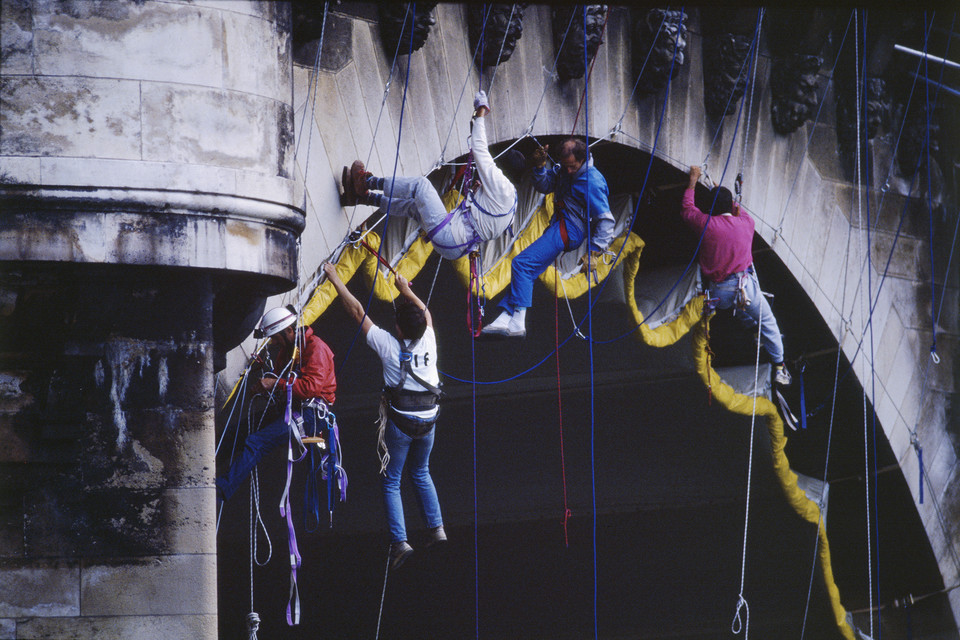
[(781, 376), (517, 328), (436, 535), (358, 177), (349, 197), (498, 327), (399, 552)]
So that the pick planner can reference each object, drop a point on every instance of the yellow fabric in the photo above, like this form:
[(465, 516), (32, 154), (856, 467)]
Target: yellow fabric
[(357, 258), (805, 508)]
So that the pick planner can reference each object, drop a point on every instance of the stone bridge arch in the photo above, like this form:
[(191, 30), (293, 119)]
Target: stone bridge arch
[(795, 184)]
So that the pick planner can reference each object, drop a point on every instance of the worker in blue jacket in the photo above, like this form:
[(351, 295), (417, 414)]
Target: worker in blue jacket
[(580, 194)]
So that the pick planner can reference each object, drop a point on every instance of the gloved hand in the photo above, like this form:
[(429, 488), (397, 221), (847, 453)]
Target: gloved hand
[(480, 103), (539, 157)]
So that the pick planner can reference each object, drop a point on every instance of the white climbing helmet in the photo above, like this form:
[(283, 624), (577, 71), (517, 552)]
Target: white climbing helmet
[(274, 321)]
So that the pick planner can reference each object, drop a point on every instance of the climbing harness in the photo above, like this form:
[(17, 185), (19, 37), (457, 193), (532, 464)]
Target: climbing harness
[(397, 402)]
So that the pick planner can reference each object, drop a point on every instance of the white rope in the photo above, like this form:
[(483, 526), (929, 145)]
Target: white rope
[(383, 593), (463, 88), (435, 274), (739, 624), (573, 319), (496, 67), (862, 297), (753, 85)]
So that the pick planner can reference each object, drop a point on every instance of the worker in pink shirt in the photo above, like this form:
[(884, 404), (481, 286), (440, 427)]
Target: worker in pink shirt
[(726, 262)]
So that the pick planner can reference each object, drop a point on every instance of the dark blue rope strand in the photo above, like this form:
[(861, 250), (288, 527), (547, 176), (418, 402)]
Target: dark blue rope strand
[(396, 162)]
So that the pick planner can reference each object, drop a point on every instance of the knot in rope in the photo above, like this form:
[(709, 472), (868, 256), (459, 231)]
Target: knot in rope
[(552, 74), (253, 624), (737, 625), (933, 354)]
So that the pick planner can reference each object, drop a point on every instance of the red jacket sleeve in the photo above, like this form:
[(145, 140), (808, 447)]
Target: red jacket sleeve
[(316, 379)]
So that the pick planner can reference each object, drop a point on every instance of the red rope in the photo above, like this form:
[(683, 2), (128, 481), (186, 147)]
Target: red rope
[(586, 84), (563, 465), (473, 292)]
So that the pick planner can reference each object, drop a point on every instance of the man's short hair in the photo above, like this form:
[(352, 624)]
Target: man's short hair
[(513, 164), (722, 201), (411, 319), (575, 147)]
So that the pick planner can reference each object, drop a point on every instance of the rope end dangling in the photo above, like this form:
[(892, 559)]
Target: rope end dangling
[(933, 353), (253, 625), (739, 625)]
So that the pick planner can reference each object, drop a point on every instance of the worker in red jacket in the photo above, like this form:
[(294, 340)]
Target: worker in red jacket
[(314, 382)]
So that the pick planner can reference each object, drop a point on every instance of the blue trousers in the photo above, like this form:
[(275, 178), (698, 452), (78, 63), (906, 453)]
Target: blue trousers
[(402, 448), (258, 444), (757, 313), (533, 260)]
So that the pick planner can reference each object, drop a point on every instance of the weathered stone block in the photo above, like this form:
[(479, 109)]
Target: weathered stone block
[(191, 518), (169, 585), (16, 38), (122, 627), (211, 127), (8, 629), (70, 116), (157, 41), (247, 42), (41, 589)]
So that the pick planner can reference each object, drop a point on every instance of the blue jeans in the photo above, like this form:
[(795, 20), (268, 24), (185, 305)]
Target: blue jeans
[(401, 448), (258, 444), (726, 294), (533, 260)]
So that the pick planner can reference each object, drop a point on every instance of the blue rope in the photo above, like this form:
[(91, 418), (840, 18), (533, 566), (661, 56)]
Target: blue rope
[(813, 129), (712, 204), (933, 281), (593, 469), (903, 212), (476, 511), (396, 162)]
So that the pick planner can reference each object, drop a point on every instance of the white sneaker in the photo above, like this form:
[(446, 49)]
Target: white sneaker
[(498, 327), (518, 326)]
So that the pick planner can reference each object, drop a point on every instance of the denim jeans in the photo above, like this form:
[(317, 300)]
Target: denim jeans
[(258, 444), (533, 260), (726, 294), (402, 448)]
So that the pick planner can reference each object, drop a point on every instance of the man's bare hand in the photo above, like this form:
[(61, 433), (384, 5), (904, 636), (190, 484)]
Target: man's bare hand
[(595, 257), (331, 270), (539, 157), (695, 174)]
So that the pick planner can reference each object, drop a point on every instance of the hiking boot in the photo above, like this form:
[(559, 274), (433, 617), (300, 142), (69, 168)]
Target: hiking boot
[(399, 552), (781, 376), (358, 178), (498, 327), (436, 535), (349, 197)]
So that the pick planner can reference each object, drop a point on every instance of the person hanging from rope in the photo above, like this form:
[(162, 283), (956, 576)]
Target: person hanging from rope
[(726, 262), (309, 375), (408, 408), (579, 190), (485, 213)]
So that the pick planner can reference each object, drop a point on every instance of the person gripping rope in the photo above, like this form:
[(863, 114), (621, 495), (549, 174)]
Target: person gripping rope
[(488, 209), (580, 191), (726, 263), (315, 382), (408, 410)]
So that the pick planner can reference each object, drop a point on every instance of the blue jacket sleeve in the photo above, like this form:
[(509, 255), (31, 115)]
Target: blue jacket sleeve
[(601, 218), (545, 179)]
